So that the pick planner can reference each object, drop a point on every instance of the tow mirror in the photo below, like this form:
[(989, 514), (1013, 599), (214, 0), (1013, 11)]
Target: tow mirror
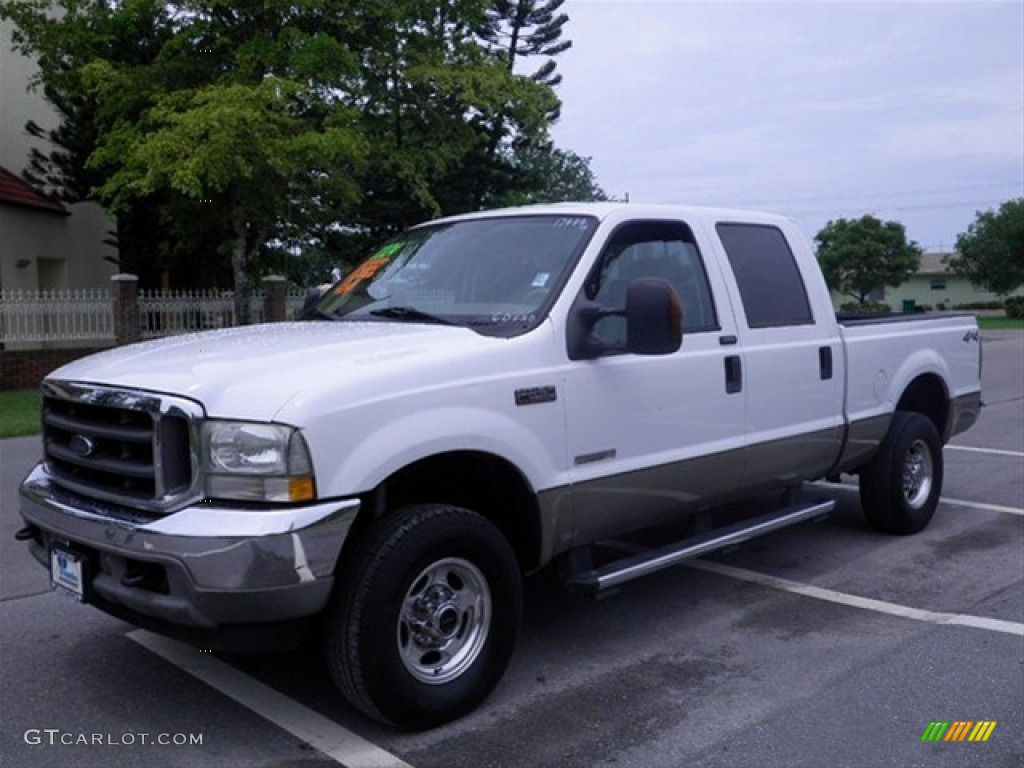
[(654, 317), (654, 322)]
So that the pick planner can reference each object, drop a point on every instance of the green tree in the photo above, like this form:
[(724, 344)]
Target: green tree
[(62, 46), (430, 97), (511, 31), (991, 251), (858, 256), (231, 136), (237, 149), (234, 110), (240, 116), (552, 175)]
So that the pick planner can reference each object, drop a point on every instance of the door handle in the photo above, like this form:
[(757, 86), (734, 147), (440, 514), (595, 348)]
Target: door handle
[(825, 362), (733, 375)]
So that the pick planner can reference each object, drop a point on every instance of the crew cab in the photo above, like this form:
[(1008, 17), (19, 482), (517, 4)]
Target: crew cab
[(482, 397)]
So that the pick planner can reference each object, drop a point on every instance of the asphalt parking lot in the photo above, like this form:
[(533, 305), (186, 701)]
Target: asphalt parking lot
[(826, 644)]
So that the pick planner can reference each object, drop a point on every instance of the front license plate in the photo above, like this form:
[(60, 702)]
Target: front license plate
[(66, 573)]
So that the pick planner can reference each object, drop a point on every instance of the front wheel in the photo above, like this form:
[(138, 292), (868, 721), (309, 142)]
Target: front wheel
[(425, 616), (900, 487)]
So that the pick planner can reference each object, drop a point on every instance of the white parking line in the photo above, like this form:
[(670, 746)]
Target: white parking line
[(990, 451), (316, 730), (879, 606), (987, 507), (943, 499)]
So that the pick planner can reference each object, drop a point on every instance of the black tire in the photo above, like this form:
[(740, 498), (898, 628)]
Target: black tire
[(900, 487), (424, 617)]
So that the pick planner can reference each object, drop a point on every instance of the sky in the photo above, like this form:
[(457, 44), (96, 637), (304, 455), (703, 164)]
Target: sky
[(816, 109)]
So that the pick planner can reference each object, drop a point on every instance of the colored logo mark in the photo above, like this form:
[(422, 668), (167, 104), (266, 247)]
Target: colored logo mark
[(958, 730)]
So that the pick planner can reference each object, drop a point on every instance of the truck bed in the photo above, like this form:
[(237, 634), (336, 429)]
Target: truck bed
[(848, 319)]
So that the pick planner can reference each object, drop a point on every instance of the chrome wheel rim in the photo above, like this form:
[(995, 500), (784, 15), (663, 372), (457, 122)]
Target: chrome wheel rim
[(444, 621), (918, 474)]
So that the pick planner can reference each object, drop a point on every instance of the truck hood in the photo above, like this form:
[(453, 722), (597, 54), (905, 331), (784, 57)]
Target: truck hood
[(252, 372)]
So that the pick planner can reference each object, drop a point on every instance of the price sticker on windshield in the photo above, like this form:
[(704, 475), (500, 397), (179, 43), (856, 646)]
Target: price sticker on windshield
[(369, 268)]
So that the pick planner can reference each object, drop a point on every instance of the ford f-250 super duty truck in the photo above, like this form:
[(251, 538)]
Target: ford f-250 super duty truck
[(484, 396)]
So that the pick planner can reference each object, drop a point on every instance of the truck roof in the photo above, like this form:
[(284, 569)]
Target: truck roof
[(607, 210)]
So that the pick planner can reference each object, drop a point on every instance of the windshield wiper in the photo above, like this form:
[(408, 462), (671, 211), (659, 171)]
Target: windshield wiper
[(410, 313)]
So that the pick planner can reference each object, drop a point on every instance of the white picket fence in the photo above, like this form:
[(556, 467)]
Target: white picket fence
[(166, 313), (71, 315), (87, 315)]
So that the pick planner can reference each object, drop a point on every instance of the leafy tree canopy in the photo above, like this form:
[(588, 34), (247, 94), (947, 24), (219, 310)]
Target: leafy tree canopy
[(224, 133), (858, 256), (991, 251), (552, 175)]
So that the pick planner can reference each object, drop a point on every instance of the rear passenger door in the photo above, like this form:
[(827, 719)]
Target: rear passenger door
[(791, 360)]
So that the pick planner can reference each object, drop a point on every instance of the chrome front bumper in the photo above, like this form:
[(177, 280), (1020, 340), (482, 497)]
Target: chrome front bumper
[(204, 566)]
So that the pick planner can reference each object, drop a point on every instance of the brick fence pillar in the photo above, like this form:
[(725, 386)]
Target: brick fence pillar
[(126, 309), (275, 289)]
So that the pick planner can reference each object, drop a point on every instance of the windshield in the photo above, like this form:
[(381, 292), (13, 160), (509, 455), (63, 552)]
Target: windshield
[(498, 276)]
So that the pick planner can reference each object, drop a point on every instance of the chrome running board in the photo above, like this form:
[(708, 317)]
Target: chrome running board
[(597, 580)]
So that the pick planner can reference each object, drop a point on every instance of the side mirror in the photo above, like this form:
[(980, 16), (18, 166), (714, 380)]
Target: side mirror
[(654, 322), (582, 343), (654, 317)]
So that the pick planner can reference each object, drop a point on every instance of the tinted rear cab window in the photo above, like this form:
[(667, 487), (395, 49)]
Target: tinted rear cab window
[(771, 286)]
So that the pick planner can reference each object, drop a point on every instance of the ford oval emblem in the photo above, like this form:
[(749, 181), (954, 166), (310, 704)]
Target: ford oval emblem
[(82, 446)]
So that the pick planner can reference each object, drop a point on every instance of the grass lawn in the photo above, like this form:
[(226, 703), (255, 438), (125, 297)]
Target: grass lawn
[(19, 413), (1001, 323)]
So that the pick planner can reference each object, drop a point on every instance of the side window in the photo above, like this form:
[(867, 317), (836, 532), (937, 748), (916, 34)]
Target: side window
[(769, 280), (652, 249)]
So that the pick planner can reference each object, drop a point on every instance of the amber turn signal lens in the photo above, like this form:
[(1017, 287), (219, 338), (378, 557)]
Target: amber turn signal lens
[(301, 489)]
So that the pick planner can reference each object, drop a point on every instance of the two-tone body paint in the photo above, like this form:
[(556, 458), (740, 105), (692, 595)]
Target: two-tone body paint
[(615, 443)]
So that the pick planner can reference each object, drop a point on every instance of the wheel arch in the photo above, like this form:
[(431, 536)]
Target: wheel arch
[(927, 395), (483, 482)]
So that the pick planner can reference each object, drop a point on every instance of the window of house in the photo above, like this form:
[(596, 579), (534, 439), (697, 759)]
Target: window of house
[(938, 285), (771, 287)]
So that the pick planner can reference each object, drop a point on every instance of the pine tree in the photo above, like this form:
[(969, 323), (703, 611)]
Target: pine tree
[(527, 28), (511, 31)]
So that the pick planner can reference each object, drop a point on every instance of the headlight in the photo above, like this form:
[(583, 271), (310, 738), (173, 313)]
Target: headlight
[(261, 462)]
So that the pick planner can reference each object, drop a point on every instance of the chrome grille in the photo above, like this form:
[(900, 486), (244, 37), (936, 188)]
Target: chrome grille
[(135, 448)]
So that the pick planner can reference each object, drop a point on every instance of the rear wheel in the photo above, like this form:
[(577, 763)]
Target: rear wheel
[(425, 616), (900, 487)]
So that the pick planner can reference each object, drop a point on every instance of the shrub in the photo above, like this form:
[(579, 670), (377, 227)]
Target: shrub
[(979, 305), (867, 308), (1014, 306)]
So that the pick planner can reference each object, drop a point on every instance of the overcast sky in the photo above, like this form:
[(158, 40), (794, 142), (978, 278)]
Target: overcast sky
[(817, 109)]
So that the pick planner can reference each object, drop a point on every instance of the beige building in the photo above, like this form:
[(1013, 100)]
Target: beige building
[(934, 286), (42, 245)]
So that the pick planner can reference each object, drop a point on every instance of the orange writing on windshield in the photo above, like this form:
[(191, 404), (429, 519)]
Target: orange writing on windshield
[(363, 272)]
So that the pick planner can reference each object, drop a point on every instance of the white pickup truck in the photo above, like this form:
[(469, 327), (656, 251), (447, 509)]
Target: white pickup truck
[(486, 395)]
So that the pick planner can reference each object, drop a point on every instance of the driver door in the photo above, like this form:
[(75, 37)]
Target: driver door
[(650, 437)]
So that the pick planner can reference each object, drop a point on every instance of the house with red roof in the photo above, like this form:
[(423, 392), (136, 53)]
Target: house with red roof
[(44, 244)]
